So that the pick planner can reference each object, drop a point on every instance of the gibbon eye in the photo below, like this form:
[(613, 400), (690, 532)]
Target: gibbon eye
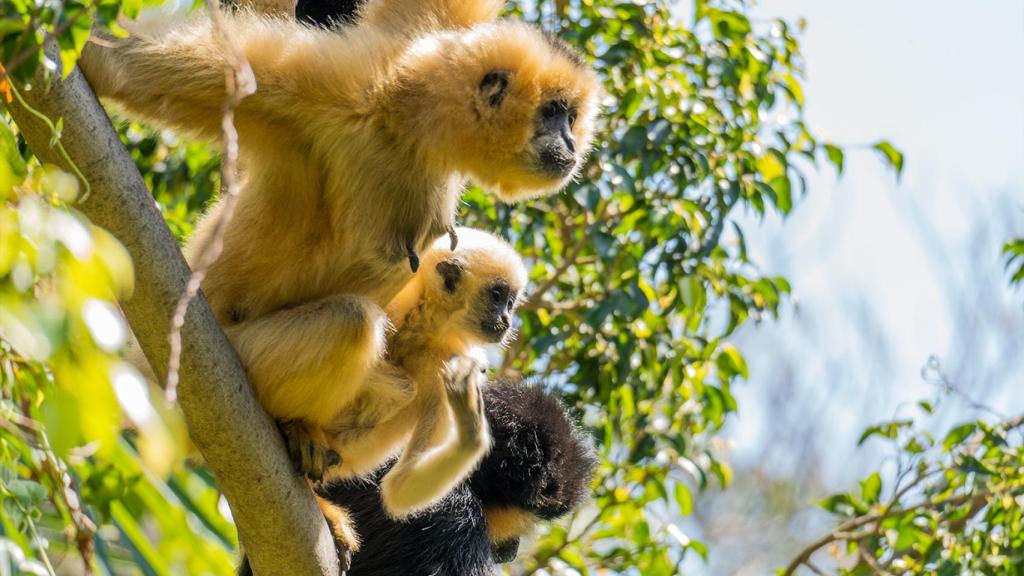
[(497, 294), (554, 109), (572, 117), (494, 86)]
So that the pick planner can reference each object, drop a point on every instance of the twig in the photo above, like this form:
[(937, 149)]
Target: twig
[(869, 559), (240, 83), (54, 142), (845, 531), (814, 568), (35, 536)]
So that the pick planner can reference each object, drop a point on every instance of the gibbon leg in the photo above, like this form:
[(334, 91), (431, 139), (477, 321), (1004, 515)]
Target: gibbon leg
[(426, 472), (307, 362)]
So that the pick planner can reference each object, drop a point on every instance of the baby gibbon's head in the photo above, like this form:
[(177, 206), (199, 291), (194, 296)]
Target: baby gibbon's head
[(479, 285), (513, 106)]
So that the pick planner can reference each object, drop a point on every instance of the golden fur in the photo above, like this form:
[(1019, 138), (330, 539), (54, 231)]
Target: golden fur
[(355, 146), (429, 384), (426, 395)]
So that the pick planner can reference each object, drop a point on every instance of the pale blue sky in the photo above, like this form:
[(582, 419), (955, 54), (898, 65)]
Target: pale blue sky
[(885, 275), (944, 82)]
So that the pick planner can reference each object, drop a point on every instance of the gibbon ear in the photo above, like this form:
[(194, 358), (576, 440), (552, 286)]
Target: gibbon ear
[(451, 273), (493, 87)]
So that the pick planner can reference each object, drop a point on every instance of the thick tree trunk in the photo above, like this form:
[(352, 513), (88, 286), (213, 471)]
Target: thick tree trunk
[(278, 521)]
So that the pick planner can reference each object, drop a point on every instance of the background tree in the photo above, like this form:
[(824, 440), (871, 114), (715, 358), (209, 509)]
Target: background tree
[(640, 276)]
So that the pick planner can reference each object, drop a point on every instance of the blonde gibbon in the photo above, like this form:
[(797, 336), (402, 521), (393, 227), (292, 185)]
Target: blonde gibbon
[(424, 398), (355, 149)]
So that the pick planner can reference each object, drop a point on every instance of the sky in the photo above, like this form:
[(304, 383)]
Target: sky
[(887, 274), (938, 79)]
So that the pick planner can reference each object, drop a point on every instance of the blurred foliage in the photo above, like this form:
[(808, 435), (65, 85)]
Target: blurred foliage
[(955, 504), (1014, 251), (90, 461), (640, 276)]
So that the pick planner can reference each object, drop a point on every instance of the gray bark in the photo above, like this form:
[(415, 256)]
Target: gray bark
[(278, 520)]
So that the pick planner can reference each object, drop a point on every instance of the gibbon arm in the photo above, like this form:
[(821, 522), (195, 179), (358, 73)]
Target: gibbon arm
[(425, 473), (178, 77), (404, 16)]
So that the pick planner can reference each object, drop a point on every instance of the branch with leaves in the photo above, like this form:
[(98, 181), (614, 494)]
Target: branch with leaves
[(955, 506), (277, 519)]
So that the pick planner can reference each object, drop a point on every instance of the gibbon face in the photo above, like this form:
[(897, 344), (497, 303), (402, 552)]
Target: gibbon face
[(479, 285), (516, 106)]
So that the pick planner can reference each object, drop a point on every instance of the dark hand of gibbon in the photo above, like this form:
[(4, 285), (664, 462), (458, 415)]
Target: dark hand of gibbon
[(328, 13)]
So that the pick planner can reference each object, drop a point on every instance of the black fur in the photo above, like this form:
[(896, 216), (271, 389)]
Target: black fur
[(540, 462), (328, 13), (450, 539)]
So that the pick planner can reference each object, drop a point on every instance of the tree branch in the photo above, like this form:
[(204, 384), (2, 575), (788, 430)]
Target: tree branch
[(278, 521)]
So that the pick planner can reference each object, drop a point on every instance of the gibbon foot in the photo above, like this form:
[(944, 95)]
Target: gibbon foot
[(346, 542), (344, 555), (463, 377), (310, 457)]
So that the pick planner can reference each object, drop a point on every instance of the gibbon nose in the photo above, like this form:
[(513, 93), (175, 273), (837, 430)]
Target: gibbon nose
[(570, 142)]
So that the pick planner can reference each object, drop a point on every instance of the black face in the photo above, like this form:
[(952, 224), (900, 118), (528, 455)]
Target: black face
[(554, 143), (495, 304), (505, 551)]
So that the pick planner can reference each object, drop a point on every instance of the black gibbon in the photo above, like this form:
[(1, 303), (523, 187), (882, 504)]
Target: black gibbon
[(355, 149), (540, 467)]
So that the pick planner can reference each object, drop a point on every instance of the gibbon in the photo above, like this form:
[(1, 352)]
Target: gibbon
[(355, 149), (424, 397), (539, 468)]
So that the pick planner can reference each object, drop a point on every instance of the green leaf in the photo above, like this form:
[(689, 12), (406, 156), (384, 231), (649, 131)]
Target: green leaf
[(783, 193), (28, 492), (731, 362), (836, 156), (870, 488), (893, 156), (684, 499), (958, 434)]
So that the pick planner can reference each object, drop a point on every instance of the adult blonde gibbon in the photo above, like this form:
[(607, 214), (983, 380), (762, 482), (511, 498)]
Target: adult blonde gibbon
[(355, 149), (424, 398)]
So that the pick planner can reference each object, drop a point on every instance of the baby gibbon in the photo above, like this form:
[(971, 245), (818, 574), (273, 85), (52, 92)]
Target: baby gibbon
[(354, 149), (539, 468), (424, 399), (458, 301)]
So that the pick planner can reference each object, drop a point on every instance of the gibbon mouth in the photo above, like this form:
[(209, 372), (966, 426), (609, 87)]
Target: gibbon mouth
[(494, 330), (556, 161), (505, 551)]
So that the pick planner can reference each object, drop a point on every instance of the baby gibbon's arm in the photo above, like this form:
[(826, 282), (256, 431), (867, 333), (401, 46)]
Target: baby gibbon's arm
[(425, 473), (177, 77), (403, 16)]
